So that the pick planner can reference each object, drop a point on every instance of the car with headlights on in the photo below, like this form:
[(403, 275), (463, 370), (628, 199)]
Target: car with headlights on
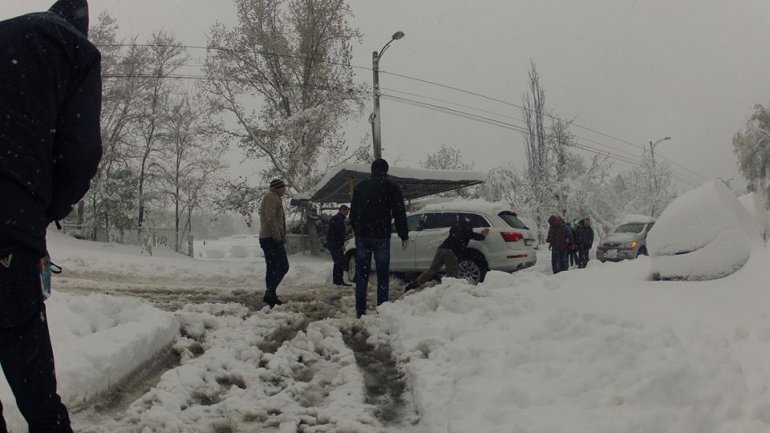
[(627, 241)]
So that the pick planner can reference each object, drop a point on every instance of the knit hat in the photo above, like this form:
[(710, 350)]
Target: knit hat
[(379, 167), (276, 183)]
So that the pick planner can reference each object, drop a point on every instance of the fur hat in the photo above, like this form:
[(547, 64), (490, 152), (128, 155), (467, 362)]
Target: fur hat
[(276, 183)]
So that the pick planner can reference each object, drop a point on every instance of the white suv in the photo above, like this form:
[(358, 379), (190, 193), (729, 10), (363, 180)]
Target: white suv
[(508, 247)]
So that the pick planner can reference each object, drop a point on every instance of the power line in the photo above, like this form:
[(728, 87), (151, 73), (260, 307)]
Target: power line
[(434, 83), (494, 122)]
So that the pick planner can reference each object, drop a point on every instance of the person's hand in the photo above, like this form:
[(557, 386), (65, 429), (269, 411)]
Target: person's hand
[(485, 231), (404, 244)]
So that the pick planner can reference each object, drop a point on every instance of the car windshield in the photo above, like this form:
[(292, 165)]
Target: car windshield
[(630, 228), (512, 220)]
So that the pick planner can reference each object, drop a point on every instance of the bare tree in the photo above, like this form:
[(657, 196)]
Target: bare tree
[(165, 57), (190, 159), (283, 76), (537, 172), (122, 69)]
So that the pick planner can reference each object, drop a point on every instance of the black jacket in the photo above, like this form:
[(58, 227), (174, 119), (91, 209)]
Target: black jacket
[(459, 236), (50, 103), (335, 237), (585, 237), (377, 201)]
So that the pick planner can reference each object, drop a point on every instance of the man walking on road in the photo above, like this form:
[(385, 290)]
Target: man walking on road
[(335, 242), (50, 147), (272, 239), (449, 251), (376, 202)]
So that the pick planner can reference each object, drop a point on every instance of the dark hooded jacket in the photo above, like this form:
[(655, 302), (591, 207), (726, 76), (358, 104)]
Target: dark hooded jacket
[(50, 103), (376, 202), (557, 232)]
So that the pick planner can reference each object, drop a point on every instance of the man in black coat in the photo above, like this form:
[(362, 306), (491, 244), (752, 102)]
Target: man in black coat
[(376, 202), (335, 242), (585, 239), (50, 146), (449, 252)]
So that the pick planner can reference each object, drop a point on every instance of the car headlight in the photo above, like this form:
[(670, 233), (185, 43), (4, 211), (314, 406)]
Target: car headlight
[(633, 244)]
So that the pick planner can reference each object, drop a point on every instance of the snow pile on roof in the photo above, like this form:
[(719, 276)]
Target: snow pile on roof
[(704, 234), (474, 205)]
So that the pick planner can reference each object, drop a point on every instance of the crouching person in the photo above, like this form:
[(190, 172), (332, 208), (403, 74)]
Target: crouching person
[(448, 253)]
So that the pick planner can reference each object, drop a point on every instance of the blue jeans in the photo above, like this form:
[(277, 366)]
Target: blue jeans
[(365, 247), (276, 263), (559, 259)]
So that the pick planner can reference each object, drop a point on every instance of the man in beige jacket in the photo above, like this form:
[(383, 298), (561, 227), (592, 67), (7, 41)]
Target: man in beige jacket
[(272, 239)]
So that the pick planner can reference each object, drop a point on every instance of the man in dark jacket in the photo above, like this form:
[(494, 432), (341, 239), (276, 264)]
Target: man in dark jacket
[(376, 202), (449, 251), (585, 239), (335, 242), (50, 146), (557, 243)]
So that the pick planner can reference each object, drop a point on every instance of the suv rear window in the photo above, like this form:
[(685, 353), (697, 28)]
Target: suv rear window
[(512, 220), (474, 220), (439, 220)]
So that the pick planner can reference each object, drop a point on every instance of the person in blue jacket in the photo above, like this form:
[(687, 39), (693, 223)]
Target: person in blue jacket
[(50, 146)]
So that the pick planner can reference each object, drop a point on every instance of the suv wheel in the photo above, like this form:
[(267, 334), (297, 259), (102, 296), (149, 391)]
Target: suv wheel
[(350, 265), (473, 268)]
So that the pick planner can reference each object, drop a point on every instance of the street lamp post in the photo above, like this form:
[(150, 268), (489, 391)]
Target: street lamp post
[(375, 117), (654, 174)]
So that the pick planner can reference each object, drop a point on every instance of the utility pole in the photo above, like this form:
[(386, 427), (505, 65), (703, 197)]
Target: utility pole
[(654, 175), (374, 118)]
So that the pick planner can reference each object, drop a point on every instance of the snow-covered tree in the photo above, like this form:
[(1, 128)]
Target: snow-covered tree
[(752, 147), (282, 77)]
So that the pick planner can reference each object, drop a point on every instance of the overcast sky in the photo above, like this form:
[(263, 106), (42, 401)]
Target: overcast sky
[(635, 71)]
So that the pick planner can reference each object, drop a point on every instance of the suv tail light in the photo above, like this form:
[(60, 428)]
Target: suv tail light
[(511, 236)]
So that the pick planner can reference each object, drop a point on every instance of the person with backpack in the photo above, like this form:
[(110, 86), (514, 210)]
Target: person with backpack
[(50, 147), (557, 243)]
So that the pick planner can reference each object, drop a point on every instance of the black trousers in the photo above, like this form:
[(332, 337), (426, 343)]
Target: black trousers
[(25, 345), (339, 264), (27, 361), (582, 257), (276, 262)]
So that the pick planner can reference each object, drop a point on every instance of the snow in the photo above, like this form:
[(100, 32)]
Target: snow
[(703, 234), (602, 349)]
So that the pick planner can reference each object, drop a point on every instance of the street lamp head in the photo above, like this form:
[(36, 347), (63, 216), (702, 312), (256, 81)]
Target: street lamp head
[(398, 35), (667, 138)]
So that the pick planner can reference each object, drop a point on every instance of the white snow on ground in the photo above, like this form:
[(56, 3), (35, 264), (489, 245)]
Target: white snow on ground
[(603, 349)]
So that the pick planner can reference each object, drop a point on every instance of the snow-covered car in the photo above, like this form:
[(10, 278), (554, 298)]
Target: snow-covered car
[(508, 247), (704, 234), (627, 241)]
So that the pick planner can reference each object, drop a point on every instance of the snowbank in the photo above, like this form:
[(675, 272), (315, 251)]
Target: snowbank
[(704, 234)]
